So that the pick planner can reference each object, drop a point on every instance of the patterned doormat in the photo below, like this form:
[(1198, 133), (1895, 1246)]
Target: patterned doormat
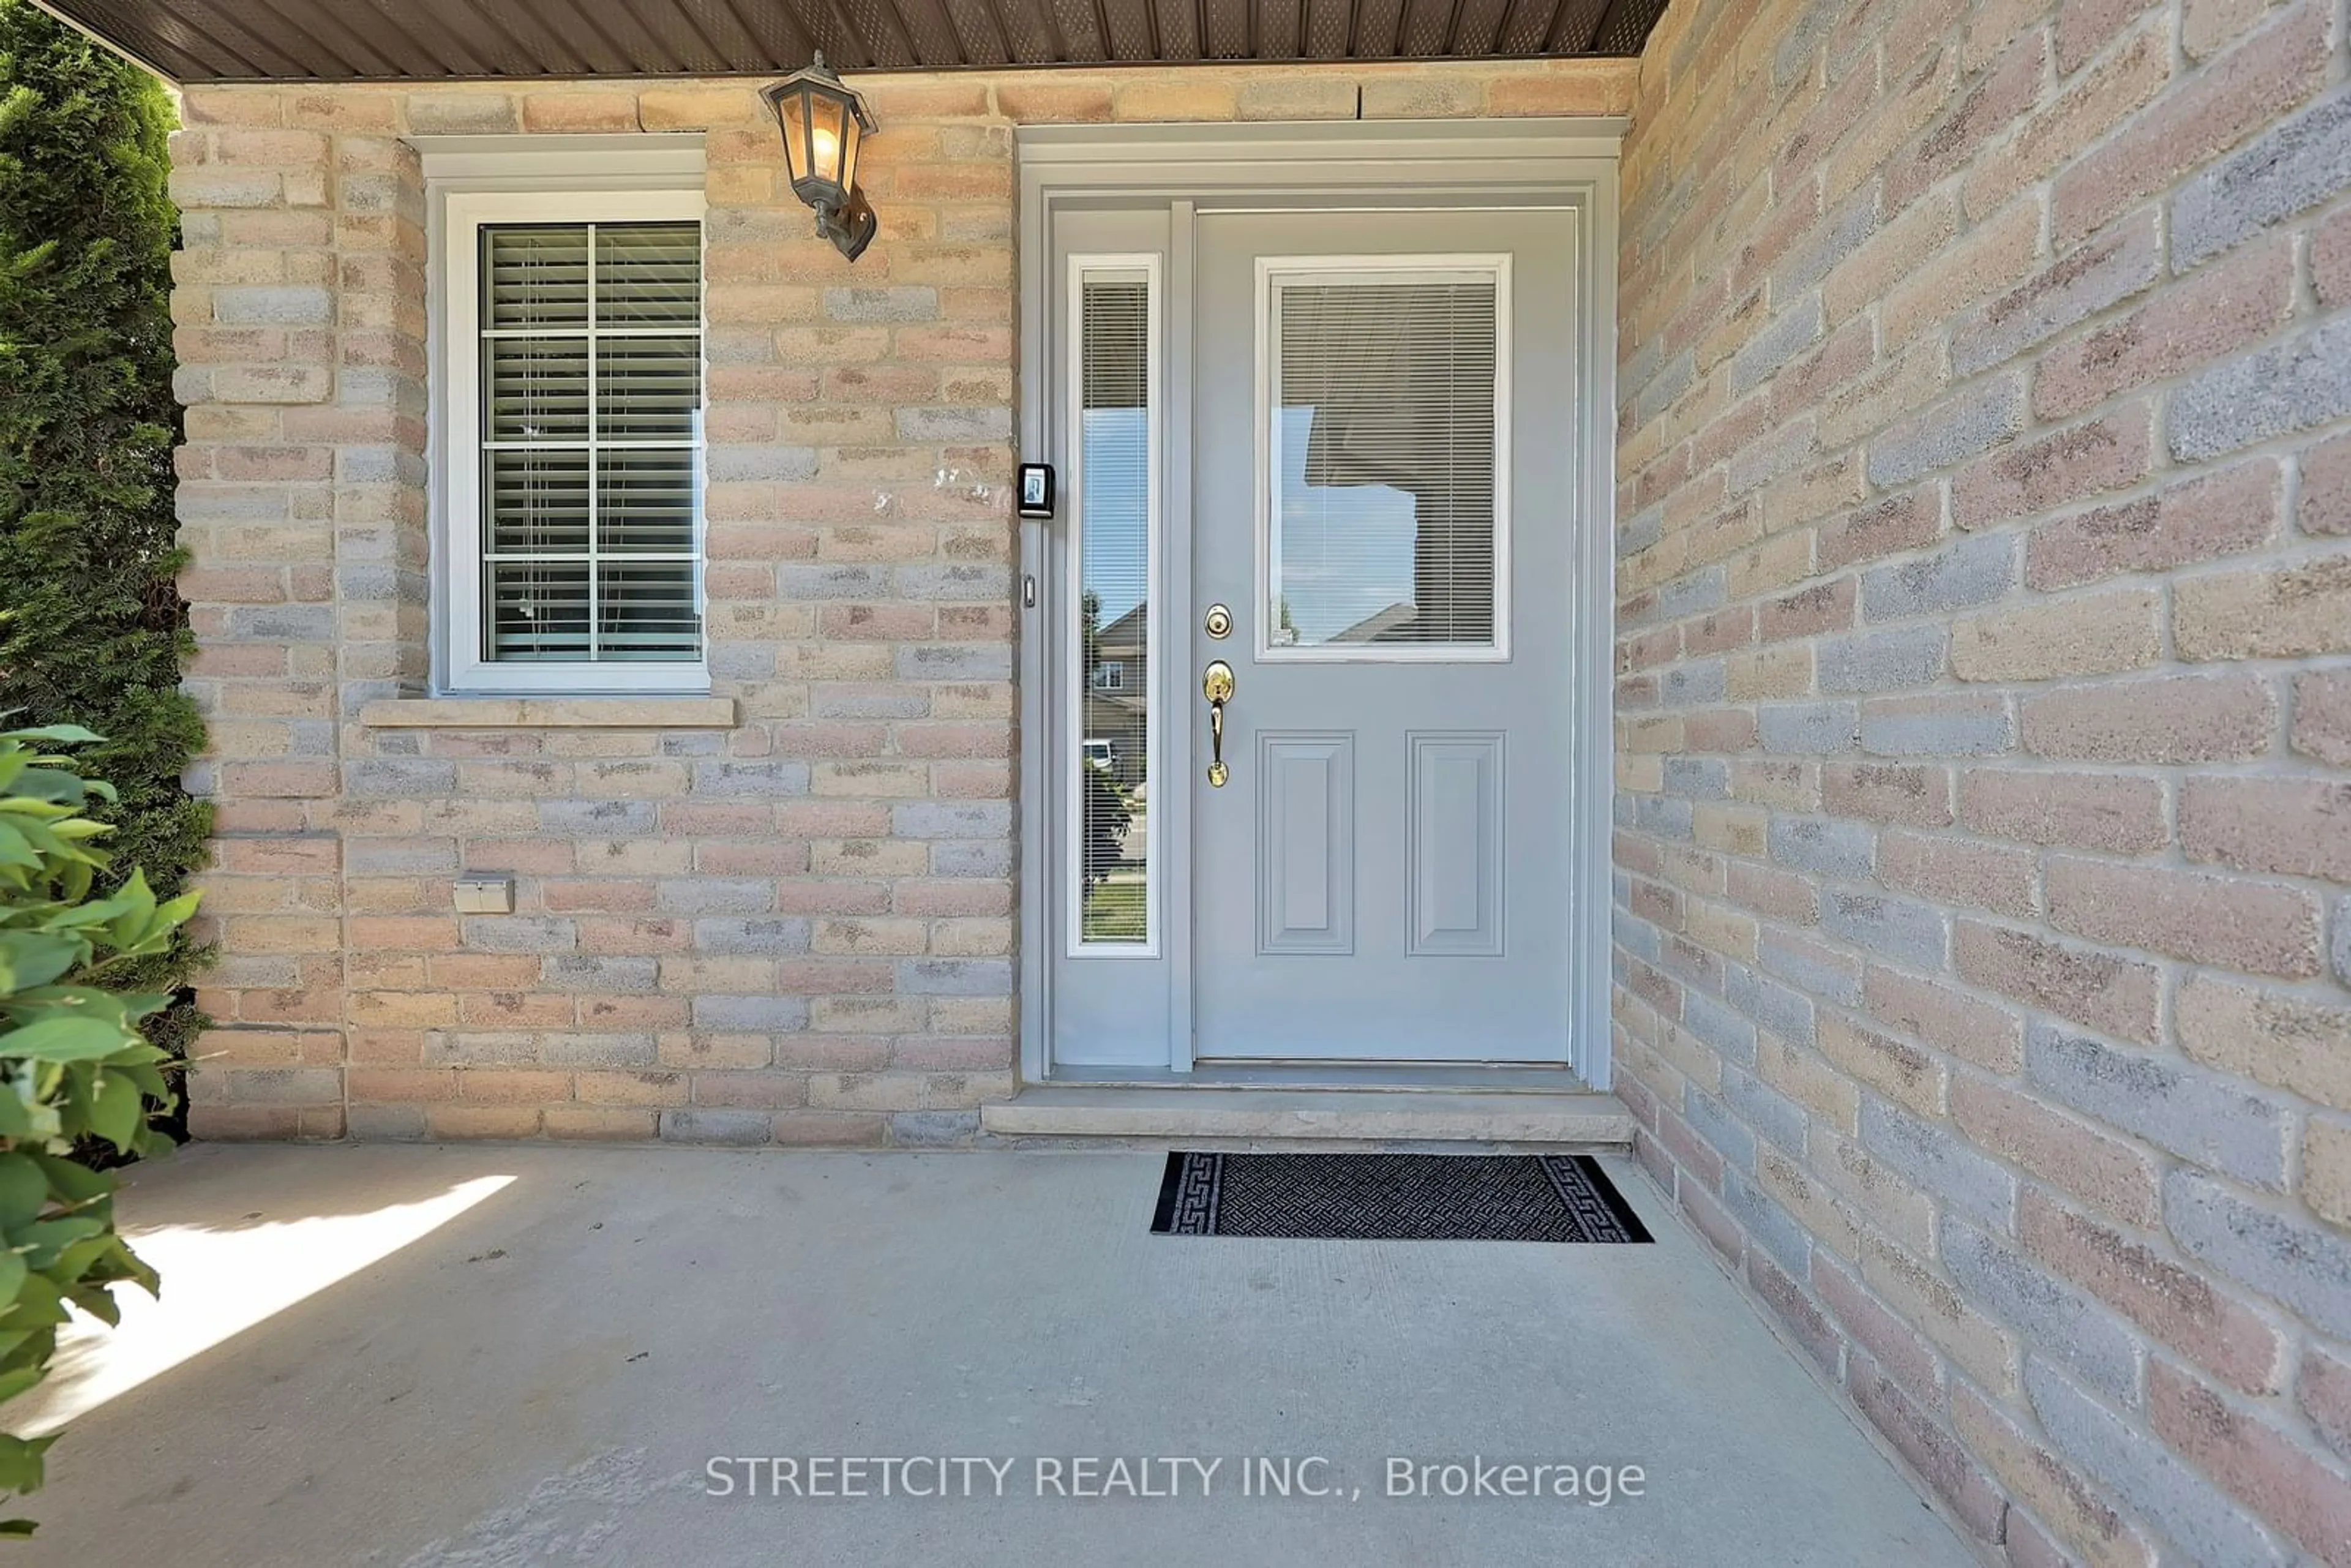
[(1395, 1197)]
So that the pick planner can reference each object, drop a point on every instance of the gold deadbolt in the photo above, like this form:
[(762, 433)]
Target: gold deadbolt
[(1218, 622)]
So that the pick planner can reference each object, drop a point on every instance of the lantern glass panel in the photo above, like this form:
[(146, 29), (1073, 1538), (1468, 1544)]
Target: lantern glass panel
[(826, 112), (792, 106), (851, 136)]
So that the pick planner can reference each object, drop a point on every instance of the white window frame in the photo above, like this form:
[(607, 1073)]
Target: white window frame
[(1130, 267), (461, 215), (1467, 268)]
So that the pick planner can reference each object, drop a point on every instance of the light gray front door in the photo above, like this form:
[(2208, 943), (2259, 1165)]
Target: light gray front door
[(1381, 430), (1350, 439)]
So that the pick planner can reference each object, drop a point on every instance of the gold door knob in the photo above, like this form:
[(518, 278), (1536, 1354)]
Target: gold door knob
[(1216, 686)]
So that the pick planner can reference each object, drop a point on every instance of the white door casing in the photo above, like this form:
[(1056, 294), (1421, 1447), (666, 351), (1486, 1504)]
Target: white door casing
[(1195, 233)]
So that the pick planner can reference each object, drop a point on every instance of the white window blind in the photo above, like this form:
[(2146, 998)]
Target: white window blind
[(1385, 522), (1115, 480), (590, 436)]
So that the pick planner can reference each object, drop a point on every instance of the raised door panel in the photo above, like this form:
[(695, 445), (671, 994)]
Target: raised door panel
[(1306, 842), (1454, 845)]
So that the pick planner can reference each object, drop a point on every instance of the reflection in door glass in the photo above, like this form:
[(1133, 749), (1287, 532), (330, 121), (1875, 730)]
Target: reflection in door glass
[(1383, 464), (1113, 512)]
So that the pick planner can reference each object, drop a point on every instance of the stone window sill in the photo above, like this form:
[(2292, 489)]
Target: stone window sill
[(551, 713)]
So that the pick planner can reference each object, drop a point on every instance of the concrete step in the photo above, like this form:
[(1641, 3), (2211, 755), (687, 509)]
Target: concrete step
[(1581, 1119)]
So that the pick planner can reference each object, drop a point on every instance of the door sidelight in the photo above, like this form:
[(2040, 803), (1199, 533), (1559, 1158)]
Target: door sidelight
[(1216, 686)]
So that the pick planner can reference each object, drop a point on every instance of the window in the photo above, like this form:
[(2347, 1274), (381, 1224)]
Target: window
[(1381, 500), (571, 434), (1112, 454)]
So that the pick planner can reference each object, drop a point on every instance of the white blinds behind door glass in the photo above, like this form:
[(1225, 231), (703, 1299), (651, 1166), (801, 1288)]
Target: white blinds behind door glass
[(1113, 510), (591, 428), (1383, 471)]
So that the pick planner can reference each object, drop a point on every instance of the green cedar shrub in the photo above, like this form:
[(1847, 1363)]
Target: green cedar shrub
[(92, 628)]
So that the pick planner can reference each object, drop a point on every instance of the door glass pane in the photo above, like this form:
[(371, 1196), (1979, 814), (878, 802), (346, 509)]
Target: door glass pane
[(1112, 494), (1383, 515)]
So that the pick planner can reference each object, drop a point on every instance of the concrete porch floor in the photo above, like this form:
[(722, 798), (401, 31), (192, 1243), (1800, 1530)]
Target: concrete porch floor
[(485, 1355)]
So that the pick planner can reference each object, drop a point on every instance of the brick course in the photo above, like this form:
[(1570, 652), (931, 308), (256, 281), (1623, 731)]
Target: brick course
[(1985, 695), (2030, 316), (797, 929)]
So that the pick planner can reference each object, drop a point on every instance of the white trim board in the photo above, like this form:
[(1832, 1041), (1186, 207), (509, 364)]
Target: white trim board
[(1187, 169), (1263, 156), (546, 161)]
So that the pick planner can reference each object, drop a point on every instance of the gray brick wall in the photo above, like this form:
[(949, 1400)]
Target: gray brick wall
[(1984, 379)]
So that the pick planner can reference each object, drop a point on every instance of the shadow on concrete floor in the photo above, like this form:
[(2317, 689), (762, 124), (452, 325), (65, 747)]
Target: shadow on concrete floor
[(482, 1355)]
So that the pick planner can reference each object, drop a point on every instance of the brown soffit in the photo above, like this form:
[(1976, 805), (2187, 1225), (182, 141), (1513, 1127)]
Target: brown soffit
[(428, 40)]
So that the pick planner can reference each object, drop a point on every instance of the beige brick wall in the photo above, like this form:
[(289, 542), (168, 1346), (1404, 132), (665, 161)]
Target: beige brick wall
[(799, 928), (1984, 728)]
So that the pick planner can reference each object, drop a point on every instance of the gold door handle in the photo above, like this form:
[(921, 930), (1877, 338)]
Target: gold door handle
[(1216, 686)]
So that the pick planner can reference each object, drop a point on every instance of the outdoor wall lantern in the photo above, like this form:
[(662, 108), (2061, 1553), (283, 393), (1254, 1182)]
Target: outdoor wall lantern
[(824, 122)]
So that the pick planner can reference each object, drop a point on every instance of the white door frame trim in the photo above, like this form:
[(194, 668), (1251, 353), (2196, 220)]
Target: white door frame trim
[(1568, 164)]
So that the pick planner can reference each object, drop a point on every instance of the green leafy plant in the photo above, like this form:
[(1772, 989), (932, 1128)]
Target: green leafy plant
[(92, 628), (74, 1066)]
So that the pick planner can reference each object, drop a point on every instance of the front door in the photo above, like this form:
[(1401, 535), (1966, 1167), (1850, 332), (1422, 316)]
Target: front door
[(1334, 482), (1383, 873)]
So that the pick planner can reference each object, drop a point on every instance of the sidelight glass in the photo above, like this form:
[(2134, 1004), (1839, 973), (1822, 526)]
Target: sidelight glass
[(1113, 494), (591, 439), (1384, 527)]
